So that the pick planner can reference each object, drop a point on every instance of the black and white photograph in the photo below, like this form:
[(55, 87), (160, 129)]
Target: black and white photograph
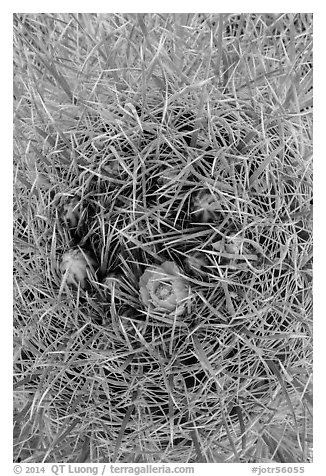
[(162, 240)]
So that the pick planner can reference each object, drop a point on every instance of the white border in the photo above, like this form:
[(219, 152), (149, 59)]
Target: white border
[(319, 199)]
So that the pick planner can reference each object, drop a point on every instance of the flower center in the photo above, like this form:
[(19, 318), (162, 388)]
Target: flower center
[(163, 291)]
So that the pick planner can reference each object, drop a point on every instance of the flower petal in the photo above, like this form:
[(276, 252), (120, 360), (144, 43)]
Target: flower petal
[(145, 277), (145, 296), (181, 289), (170, 267), (144, 281)]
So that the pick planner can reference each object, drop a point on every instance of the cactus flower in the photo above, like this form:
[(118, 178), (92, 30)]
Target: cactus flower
[(163, 290)]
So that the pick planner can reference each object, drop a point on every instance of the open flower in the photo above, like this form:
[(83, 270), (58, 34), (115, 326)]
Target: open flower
[(162, 289), (74, 264)]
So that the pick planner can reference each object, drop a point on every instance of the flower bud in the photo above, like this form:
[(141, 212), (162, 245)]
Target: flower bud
[(74, 264), (71, 212), (205, 206)]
